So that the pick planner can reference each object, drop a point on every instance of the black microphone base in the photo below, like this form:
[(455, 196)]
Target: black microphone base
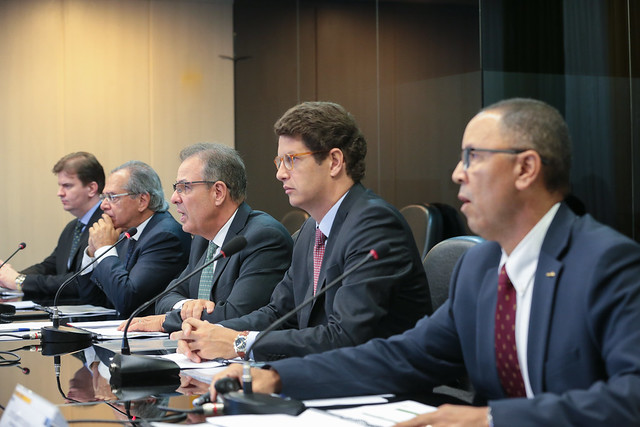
[(65, 334), (237, 403), (130, 370)]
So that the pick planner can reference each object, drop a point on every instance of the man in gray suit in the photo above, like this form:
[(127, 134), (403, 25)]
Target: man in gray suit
[(209, 195)]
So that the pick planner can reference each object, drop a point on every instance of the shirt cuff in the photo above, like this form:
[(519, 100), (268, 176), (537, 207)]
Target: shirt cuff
[(179, 304)]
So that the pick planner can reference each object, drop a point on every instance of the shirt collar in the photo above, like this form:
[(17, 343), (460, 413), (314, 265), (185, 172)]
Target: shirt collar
[(327, 222), (87, 216), (140, 228), (521, 265), (222, 233)]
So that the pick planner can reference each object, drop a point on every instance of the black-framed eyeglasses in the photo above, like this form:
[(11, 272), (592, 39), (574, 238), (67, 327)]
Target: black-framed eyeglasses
[(288, 159), (114, 197), (466, 153), (185, 187)]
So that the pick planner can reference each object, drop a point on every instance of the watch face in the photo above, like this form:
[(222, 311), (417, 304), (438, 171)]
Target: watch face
[(240, 343)]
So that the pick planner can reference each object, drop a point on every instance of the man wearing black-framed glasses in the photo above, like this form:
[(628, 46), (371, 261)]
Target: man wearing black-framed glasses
[(543, 316), (209, 194)]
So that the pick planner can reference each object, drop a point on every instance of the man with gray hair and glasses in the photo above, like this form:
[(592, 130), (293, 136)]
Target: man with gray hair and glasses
[(141, 267), (209, 194)]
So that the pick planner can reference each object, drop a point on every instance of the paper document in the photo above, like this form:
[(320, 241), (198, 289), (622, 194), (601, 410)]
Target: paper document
[(310, 417), (348, 401), (108, 330), (22, 305), (84, 310), (10, 293), (384, 415)]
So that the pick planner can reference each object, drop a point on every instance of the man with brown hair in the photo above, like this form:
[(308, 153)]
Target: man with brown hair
[(320, 163), (80, 183)]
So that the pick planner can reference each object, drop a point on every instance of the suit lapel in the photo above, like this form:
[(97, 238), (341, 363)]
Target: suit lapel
[(327, 262), (544, 291), (486, 316), (236, 227)]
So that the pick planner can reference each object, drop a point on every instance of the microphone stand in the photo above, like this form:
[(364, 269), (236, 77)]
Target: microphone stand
[(21, 246), (247, 402), (124, 367), (65, 334)]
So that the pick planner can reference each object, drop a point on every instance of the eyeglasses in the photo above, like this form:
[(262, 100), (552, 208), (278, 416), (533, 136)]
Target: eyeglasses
[(288, 159), (185, 187), (466, 153), (112, 198)]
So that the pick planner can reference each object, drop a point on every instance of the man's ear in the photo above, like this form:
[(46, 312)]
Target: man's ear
[(529, 169), (143, 201), (337, 164), (93, 189), (220, 192)]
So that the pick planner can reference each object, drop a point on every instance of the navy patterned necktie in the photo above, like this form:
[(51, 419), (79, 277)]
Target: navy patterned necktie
[(505, 338), (206, 277), (130, 249), (75, 242)]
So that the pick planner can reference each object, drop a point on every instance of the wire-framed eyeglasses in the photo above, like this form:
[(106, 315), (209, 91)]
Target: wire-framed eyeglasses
[(112, 198), (185, 186)]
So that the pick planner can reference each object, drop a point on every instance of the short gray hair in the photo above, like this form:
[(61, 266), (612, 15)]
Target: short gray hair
[(143, 179), (221, 163), (533, 124)]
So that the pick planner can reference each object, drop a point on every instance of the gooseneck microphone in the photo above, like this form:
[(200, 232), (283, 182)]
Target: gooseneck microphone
[(21, 246), (8, 309), (247, 402), (235, 245), (126, 369), (64, 334)]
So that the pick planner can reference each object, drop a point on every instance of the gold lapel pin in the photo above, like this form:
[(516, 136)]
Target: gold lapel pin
[(551, 274)]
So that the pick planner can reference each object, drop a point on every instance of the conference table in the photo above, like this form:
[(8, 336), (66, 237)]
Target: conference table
[(82, 390)]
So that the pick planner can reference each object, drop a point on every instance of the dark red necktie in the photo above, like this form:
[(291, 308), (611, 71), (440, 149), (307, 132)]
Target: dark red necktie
[(318, 254), (505, 338)]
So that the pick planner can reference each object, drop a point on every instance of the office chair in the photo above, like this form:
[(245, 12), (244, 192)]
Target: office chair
[(425, 222), (439, 263), (293, 220)]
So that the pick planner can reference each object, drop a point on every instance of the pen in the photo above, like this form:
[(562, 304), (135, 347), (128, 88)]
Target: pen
[(17, 330)]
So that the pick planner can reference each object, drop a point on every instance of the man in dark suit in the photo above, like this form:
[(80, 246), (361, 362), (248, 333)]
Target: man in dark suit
[(209, 195), (552, 339), (141, 267), (320, 164), (80, 183)]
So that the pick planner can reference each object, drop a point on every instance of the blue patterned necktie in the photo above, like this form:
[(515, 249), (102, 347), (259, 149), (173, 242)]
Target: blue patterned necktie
[(130, 249), (75, 242), (206, 278)]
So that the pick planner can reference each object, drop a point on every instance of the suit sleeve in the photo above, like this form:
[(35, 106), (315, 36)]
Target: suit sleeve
[(380, 298), (612, 310), (162, 257), (46, 277), (42, 278), (263, 265)]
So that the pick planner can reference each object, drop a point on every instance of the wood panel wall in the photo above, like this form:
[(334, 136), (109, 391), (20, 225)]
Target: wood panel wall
[(123, 79)]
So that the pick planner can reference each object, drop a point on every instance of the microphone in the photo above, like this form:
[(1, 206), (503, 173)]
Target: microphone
[(246, 402), (233, 246), (21, 246), (57, 333), (124, 367)]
